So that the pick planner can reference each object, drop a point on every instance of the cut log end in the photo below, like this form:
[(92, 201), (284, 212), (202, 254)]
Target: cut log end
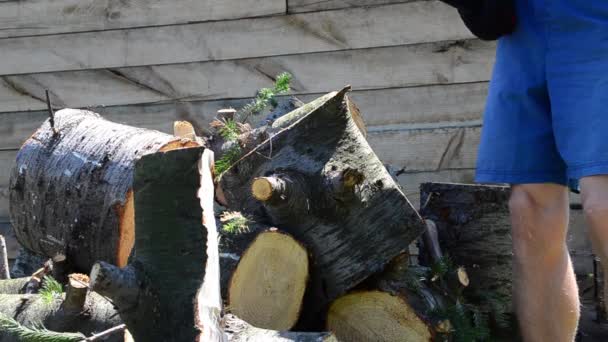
[(376, 316), (267, 288), (262, 189)]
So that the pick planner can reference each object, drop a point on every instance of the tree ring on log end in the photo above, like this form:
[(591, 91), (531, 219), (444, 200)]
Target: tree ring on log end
[(376, 316), (268, 285)]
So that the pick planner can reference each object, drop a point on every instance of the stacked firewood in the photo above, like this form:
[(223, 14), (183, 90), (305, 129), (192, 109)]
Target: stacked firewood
[(313, 232)]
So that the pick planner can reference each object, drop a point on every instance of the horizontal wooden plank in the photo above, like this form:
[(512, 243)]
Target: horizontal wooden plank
[(399, 107), (301, 6), (410, 181), (37, 17), (390, 25), (377, 68), (427, 149)]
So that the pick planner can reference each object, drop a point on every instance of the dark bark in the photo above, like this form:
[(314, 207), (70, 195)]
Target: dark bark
[(474, 230), (32, 310), (346, 208), (70, 192), (238, 330), (156, 292), (27, 263)]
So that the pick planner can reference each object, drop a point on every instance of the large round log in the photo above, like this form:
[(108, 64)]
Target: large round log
[(317, 178), (268, 285), (71, 187), (402, 303)]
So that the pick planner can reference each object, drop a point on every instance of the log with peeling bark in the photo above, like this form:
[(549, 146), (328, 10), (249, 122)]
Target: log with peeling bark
[(71, 187), (238, 330), (267, 287), (474, 230), (92, 315), (393, 306), (155, 293), (322, 183), (14, 286)]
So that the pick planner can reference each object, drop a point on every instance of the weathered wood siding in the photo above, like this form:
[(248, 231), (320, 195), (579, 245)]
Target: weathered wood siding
[(419, 77)]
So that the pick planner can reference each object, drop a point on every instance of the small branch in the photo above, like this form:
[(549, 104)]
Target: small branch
[(105, 333), (76, 292), (51, 112), (120, 285), (4, 269)]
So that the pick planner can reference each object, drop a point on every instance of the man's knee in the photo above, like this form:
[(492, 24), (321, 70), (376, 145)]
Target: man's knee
[(539, 215), (595, 200)]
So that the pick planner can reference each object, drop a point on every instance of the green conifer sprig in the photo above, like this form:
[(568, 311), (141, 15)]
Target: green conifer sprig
[(36, 334)]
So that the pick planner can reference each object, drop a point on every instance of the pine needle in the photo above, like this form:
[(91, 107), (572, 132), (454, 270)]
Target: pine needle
[(51, 289), (25, 334)]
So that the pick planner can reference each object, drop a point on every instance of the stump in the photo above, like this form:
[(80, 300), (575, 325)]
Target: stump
[(71, 187), (156, 292), (268, 285), (330, 191), (474, 230)]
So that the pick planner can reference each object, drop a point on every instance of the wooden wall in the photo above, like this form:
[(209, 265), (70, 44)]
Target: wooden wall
[(419, 77)]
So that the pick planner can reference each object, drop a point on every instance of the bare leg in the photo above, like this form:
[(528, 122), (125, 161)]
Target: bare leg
[(595, 202), (545, 289)]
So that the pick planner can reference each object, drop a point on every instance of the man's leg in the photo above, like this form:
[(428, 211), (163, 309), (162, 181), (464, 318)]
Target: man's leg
[(594, 191), (545, 289)]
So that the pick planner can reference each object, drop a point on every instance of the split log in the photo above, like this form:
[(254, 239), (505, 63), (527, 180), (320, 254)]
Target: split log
[(71, 187), (156, 292), (474, 230), (4, 268), (96, 314), (330, 191), (238, 330), (268, 285)]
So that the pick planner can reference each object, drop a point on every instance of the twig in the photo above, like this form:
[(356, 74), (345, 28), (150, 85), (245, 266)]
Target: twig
[(117, 328), (51, 112)]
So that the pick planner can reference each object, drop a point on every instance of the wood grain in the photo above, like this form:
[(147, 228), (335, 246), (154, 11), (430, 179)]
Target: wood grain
[(39, 17), (356, 28), (423, 64), (427, 149), (301, 6)]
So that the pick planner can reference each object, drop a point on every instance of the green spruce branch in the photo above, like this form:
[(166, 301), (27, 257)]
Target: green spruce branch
[(267, 96), (37, 334), (51, 289)]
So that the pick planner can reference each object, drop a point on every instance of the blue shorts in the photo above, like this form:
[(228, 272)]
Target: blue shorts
[(546, 118)]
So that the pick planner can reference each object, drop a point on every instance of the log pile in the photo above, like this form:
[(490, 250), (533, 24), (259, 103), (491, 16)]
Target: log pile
[(314, 232)]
